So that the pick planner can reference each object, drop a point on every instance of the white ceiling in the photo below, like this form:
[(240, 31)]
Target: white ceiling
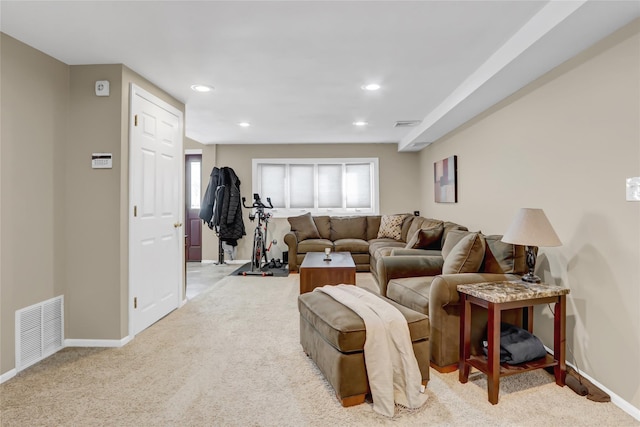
[(294, 69)]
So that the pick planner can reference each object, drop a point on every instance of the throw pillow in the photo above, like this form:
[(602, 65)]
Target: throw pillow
[(466, 256), (391, 227), (501, 257), (425, 237), (451, 239), (304, 227)]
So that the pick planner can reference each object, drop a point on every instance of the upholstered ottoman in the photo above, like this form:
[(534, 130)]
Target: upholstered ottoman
[(333, 336)]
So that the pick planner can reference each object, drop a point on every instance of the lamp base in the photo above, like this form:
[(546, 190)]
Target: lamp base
[(531, 278)]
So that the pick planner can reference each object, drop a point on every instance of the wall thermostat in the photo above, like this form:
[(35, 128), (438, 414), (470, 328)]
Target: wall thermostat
[(102, 88), (101, 161)]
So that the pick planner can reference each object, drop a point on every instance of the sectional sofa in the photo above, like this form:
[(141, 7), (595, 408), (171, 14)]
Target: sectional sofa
[(417, 262), (368, 238)]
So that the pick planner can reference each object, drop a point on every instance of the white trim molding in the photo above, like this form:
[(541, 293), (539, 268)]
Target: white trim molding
[(8, 375), (97, 343), (615, 399)]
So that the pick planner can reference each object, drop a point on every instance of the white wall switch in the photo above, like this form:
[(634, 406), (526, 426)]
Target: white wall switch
[(633, 189), (102, 161), (102, 88)]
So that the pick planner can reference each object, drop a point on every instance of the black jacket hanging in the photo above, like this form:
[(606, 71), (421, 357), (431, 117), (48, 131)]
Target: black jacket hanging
[(206, 208), (221, 206)]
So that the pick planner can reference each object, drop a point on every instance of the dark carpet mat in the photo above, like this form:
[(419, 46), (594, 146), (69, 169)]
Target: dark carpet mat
[(275, 272)]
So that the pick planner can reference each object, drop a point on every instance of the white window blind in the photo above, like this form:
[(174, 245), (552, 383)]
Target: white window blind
[(330, 186), (301, 184), (320, 186)]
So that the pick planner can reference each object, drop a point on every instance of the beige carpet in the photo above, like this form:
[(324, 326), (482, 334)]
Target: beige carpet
[(231, 357)]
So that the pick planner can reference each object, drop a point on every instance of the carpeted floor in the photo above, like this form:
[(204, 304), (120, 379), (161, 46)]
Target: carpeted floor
[(231, 357)]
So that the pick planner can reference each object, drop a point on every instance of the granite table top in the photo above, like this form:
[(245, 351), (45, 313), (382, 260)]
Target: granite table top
[(498, 292)]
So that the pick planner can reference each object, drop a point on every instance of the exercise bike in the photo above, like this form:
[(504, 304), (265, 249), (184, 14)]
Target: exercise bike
[(259, 253)]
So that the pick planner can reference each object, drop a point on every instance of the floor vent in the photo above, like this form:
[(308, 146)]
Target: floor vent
[(39, 331)]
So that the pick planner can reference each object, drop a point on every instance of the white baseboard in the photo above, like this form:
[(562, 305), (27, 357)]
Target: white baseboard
[(615, 399), (8, 375), (97, 343)]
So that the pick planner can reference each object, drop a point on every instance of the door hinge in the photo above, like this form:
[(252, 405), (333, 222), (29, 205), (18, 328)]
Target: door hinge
[(135, 211), (135, 120), (135, 302)]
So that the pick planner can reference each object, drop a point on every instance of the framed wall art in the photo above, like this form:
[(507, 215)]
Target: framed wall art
[(445, 177)]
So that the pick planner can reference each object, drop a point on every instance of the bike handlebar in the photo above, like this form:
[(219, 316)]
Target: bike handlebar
[(257, 203)]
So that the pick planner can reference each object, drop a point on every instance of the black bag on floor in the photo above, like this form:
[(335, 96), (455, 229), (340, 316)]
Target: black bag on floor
[(517, 345)]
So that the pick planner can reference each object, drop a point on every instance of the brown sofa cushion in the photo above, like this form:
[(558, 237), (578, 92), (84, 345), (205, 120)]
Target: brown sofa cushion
[(465, 256), (411, 292), (314, 245), (304, 227), (348, 227), (355, 246), (421, 222), (373, 225), (324, 225), (391, 227), (501, 257), (451, 226), (424, 238), (406, 225)]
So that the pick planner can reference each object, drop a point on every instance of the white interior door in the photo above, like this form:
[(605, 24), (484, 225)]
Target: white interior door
[(156, 193)]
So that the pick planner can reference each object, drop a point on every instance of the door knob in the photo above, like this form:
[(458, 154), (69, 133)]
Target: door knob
[(177, 224)]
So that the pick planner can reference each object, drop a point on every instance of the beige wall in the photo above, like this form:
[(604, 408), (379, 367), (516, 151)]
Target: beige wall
[(64, 225), (34, 108), (566, 144), (398, 186), (92, 207)]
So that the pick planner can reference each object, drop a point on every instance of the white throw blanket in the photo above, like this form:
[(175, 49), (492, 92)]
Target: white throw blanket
[(392, 369)]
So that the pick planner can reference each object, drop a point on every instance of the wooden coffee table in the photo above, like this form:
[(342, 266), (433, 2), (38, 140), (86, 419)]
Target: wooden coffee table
[(315, 271)]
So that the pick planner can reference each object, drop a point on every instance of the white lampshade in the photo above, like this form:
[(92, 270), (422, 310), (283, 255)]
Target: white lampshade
[(531, 228)]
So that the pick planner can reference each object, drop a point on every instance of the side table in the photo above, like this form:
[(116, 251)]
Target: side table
[(498, 296)]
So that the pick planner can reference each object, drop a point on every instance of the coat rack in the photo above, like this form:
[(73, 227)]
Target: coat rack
[(221, 208), (220, 252)]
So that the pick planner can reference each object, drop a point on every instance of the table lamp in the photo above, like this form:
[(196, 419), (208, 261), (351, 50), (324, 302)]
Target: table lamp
[(531, 228)]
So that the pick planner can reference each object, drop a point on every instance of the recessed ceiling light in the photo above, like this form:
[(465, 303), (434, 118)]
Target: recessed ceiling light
[(202, 88), (360, 123), (371, 86), (244, 124)]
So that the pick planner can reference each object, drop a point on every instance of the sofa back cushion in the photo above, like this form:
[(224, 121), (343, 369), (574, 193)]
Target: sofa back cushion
[(373, 225), (421, 222), (449, 226), (304, 227), (503, 257), (323, 223), (348, 227), (426, 238), (406, 225), (463, 252)]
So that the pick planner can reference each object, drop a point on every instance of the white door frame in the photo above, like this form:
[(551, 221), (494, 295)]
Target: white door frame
[(133, 91)]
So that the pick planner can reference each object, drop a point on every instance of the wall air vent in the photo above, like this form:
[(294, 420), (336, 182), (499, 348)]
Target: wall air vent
[(406, 123), (39, 331)]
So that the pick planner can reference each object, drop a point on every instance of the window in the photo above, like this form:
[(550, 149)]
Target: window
[(195, 184), (319, 186)]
